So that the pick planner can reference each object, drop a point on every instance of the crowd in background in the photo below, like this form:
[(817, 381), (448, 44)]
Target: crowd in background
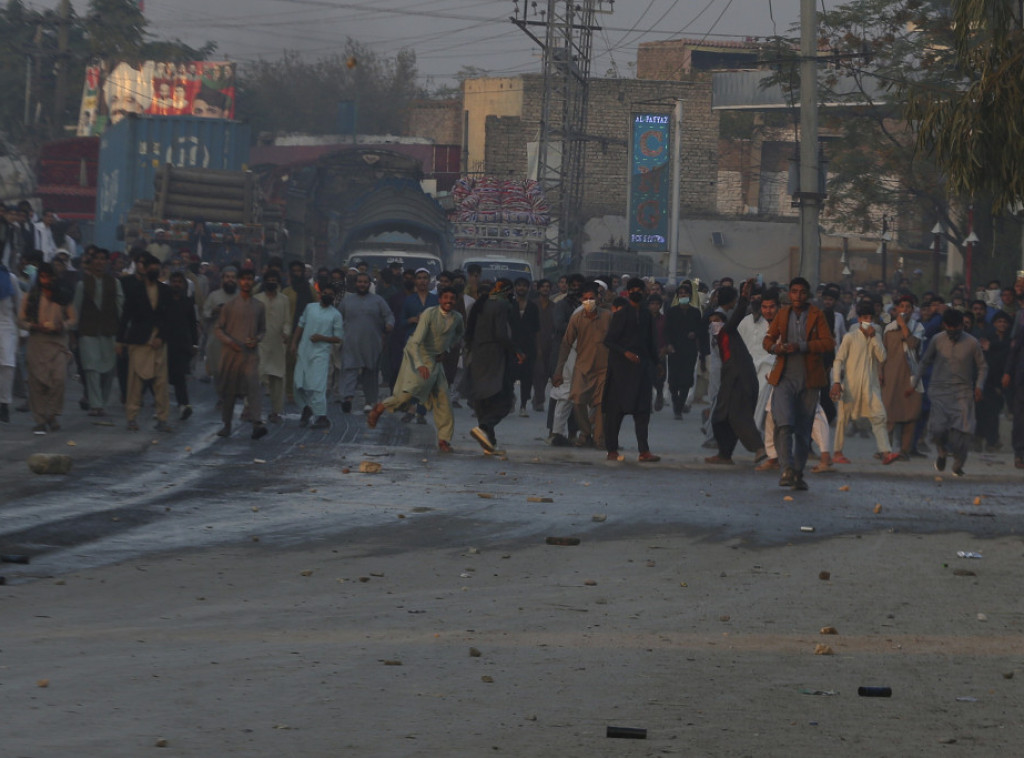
[(582, 354)]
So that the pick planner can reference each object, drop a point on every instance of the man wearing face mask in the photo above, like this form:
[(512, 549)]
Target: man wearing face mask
[(631, 365), (211, 312), (319, 328), (682, 324), (856, 386), (954, 358), (143, 331), (585, 332), (490, 353)]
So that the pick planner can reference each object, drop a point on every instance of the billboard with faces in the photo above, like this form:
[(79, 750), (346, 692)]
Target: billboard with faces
[(114, 90)]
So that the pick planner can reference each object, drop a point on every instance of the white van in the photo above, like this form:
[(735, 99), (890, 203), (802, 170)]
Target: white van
[(495, 267), (381, 259)]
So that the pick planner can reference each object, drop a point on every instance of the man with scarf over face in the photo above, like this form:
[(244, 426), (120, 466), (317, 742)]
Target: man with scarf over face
[(489, 355), (143, 330), (632, 357)]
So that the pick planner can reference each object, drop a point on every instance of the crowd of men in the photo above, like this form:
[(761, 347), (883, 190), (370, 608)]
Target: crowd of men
[(781, 369)]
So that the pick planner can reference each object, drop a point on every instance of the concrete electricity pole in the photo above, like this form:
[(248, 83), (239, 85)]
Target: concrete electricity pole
[(810, 198)]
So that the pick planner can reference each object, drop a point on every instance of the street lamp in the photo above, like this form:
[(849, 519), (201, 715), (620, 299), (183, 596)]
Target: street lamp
[(936, 243)]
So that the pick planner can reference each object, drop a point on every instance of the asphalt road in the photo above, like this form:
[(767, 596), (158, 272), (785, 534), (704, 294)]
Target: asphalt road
[(130, 495)]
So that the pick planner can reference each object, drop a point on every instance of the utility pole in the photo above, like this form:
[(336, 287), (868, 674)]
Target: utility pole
[(565, 35), (810, 198), (61, 69)]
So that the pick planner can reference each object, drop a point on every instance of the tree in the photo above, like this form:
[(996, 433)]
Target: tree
[(116, 29), (292, 94), (974, 130)]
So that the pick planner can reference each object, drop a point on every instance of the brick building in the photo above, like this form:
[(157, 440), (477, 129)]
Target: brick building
[(509, 136)]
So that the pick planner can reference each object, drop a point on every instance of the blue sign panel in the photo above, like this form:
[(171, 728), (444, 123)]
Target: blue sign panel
[(650, 186)]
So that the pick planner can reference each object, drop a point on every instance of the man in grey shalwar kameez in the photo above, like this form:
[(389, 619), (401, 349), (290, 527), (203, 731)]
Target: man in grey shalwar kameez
[(421, 376), (367, 319), (958, 376)]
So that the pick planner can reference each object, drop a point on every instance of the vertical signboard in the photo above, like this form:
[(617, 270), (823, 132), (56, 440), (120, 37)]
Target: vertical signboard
[(649, 182)]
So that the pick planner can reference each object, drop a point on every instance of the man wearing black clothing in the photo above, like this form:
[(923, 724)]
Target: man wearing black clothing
[(182, 340), (525, 323), (733, 418), (632, 360), (143, 330)]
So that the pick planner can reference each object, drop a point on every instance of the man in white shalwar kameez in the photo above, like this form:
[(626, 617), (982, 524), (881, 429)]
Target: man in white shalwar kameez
[(855, 384), (320, 328)]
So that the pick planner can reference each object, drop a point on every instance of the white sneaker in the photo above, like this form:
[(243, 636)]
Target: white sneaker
[(523, 413), (367, 408)]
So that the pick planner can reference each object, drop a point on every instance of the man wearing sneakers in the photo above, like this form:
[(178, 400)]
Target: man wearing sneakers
[(799, 337)]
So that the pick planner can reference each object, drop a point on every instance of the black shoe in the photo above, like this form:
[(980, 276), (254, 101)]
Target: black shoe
[(83, 404), (940, 463), (659, 402), (307, 414), (958, 467), (5, 413), (800, 484), (259, 431), (186, 413), (346, 406), (322, 422), (788, 478), (225, 431), (560, 440)]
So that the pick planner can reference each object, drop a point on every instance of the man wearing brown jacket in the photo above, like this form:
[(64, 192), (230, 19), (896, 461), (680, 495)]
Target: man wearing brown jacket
[(799, 336)]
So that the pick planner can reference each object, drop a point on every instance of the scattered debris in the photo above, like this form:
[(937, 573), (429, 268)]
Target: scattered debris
[(968, 554), (540, 500), (51, 465), (982, 617), (963, 572), (599, 518), (845, 488), (967, 699), (487, 679), (43, 683), (824, 575), (369, 467), (1008, 675), (590, 583), (626, 733), (565, 541), (874, 691), (878, 508), (306, 572), (485, 495), (72, 443), (977, 501), (161, 743), (821, 649), (828, 630), (826, 693), (724, 619), (474, 653), (392, 662), (807, 529), (788, 498), (258, 460)]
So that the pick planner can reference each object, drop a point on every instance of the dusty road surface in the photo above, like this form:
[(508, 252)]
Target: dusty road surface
[(239, 598)]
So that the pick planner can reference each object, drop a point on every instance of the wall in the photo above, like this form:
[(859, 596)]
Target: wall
[(481, 98), (611, 103), (438, 121)]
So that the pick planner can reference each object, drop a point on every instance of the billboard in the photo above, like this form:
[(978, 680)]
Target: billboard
[(114, 90), (649, 182)]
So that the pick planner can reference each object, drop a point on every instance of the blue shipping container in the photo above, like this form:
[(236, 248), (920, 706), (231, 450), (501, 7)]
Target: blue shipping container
[(133, 149)]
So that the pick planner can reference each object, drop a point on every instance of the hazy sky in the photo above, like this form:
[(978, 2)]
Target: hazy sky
[(447, 34)]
